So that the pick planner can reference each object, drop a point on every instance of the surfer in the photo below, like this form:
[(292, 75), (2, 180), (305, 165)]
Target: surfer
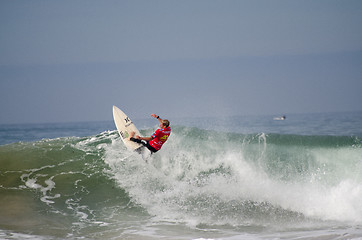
[(157, 139)]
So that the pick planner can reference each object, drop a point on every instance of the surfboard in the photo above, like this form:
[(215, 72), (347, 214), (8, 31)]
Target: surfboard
[(124, 127)]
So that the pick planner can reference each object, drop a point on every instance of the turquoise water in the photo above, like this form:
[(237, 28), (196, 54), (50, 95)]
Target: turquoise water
[(221, 178)]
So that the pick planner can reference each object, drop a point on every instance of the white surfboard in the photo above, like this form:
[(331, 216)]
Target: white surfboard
[(125, 126)]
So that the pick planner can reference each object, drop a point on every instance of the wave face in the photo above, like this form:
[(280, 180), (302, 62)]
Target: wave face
[(223, 183)]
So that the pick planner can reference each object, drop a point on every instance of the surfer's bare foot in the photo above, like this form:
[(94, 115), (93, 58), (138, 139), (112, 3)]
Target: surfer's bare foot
[(131, 135)]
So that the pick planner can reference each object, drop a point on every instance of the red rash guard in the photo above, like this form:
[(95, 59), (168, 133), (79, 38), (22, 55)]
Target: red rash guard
[(160, 137)]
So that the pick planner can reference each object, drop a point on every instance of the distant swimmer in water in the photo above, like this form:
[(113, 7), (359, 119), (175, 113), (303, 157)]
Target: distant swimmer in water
[(157, 139)]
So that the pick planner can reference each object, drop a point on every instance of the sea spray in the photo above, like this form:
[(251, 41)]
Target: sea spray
[(215, 180)]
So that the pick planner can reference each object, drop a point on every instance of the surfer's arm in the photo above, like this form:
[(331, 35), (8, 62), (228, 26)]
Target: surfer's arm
[(157, 117), (144, 138)]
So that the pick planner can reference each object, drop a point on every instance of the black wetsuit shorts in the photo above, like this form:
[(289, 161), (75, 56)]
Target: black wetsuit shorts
[(144, 143)]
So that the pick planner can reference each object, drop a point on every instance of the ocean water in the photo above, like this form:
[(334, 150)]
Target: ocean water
[(219, 178)]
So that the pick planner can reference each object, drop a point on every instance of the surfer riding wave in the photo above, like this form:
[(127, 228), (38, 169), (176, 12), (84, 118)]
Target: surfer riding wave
[(157, 139)]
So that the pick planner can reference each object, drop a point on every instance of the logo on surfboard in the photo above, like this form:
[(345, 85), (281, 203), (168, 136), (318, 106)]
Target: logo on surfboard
[(124, 134), (127, 121)]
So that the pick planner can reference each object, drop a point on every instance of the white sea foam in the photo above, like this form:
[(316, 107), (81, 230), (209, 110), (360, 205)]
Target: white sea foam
[(31, 181), (192, 184)]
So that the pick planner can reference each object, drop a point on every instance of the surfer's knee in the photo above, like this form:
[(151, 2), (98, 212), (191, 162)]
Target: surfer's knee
[(131, 135)]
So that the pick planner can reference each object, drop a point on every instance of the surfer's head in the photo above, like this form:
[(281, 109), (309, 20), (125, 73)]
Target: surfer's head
[(165, 123)]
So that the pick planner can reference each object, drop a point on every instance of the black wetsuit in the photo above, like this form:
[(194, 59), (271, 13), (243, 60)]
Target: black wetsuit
[(144, 143)]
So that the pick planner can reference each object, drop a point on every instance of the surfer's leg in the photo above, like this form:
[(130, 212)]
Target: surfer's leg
[(150, 148), (144, 143), (136, 140)]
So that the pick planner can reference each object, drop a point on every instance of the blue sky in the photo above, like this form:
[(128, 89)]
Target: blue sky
[(72, 60)]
